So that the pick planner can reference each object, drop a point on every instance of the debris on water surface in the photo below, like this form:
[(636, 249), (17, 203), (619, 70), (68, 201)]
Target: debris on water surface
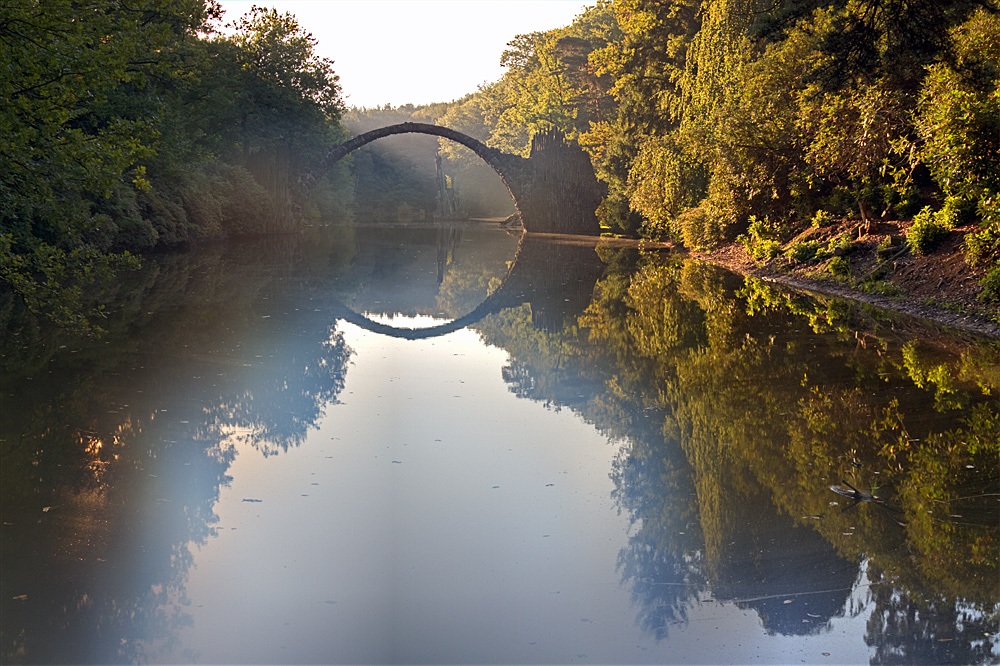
[(248, 499), (847, 490)]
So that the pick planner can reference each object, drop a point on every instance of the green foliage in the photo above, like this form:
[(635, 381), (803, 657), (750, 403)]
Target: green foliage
[(779, 109), (928, 229), (76, 122), (840, 267), (664, 181), (160, 135), (550, 83), (958, 112), (698, 228), (822, 218), (804, 251), (761, 239), (841, 245)]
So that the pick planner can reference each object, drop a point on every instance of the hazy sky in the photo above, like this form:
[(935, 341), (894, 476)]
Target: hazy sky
[(416, 51)]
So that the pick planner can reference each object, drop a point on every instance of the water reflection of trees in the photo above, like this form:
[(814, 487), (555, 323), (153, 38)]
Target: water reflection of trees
[(115, 451), (741, 404)]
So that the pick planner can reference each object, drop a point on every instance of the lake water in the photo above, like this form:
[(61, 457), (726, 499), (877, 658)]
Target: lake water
[(622, 458)]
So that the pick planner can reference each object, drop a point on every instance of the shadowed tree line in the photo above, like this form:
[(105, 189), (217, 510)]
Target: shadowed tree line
[(134, 125)]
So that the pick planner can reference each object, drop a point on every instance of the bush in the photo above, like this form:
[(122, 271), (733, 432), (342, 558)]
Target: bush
[(984, 244), (698, 229), (841, 245), (803, 251), (991, 287), (928, 229), (822, 218), (615, 213), (761, 240), (840, 266)]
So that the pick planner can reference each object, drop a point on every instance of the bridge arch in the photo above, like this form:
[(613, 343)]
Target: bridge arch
[(554, 190), (510, 168)]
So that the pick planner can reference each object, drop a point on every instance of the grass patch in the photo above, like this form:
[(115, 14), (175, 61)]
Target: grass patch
[(880, 288)]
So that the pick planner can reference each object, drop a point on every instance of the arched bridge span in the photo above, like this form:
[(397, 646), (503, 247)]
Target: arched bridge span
[(554, 190)]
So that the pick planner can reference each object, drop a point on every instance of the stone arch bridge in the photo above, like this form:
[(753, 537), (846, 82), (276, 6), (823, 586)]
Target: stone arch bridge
[(554, 190)]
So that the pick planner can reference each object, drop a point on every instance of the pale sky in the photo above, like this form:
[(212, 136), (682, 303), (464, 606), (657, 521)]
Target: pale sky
[(416, 51)]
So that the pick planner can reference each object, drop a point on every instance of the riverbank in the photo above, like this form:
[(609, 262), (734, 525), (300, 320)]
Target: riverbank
[(939, 287)]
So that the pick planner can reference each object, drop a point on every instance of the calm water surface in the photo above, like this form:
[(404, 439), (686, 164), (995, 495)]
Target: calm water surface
[(623, 458)]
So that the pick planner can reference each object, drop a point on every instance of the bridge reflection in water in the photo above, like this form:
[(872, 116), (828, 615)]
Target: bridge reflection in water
[(555, 275)]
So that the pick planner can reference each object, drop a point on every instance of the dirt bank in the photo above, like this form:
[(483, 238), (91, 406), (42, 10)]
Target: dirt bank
[(939, 287)]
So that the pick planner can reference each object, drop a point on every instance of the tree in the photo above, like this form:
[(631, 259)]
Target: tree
[(68, 143)]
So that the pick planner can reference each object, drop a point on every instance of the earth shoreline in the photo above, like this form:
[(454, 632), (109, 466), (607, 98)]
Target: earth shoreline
[(940, 287)]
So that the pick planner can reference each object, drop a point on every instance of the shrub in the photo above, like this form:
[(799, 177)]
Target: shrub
[(822, 218), (991, 287), (698, 229), (761, 240), (981, 245), (841, 245), (984, 243), (803, 251), (928, 229), (840, 266)]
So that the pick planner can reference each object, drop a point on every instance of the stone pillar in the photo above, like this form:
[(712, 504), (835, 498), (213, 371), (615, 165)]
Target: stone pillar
[(561, 194)]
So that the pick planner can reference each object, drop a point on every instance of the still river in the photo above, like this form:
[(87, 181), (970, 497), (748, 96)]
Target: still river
[(628, 459)]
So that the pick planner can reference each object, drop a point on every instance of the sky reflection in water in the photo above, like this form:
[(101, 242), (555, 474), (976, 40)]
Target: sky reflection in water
[(274, 486)]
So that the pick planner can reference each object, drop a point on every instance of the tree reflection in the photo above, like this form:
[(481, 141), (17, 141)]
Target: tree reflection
[(115, 452), (740, 405)]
